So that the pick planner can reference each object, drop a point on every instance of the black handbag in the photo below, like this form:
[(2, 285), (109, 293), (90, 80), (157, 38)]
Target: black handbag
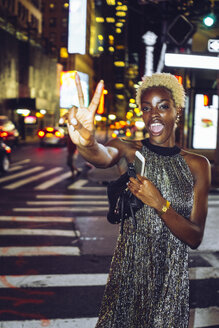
[(122, 203)]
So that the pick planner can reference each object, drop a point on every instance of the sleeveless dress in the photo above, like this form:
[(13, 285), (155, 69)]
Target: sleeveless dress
[(148, 283)]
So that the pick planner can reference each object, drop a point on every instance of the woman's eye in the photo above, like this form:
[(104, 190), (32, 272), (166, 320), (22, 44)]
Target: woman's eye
[(146, 109), (164, 106)]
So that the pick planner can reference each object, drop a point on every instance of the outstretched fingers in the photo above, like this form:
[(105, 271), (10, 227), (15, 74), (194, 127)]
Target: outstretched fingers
[(79, 90), (96, 97)]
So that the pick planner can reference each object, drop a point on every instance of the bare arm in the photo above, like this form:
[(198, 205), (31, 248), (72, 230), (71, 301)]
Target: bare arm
[(189, 231), (81, 131)]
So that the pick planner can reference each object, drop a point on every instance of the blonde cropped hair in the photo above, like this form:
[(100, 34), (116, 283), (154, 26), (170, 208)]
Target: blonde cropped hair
[(165, 80)]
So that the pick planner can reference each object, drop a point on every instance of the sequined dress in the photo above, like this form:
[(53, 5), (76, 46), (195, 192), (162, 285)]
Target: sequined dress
[(148, 283)]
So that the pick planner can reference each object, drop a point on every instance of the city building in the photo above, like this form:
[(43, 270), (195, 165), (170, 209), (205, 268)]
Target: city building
[(29, 93)]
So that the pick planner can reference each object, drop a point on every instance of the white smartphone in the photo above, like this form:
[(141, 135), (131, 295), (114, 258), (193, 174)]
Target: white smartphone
[(139, 163)]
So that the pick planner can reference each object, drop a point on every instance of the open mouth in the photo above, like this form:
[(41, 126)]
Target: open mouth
[(156, 128)]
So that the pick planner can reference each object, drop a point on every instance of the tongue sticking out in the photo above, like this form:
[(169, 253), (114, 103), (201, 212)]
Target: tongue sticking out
[(156, 127)]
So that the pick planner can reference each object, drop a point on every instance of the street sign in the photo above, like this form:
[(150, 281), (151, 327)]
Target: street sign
[(213, 45)]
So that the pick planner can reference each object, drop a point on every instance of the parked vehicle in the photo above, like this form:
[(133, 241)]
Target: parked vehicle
[(52, 136), (8, 132), (5, 152)]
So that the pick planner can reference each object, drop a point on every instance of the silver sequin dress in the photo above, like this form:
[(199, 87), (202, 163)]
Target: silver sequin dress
[(148, 283)]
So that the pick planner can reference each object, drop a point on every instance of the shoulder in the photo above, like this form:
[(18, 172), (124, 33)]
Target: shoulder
[(199, 165), (126, 147)]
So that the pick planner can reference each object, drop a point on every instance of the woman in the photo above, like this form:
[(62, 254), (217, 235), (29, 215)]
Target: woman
[(148, 284)]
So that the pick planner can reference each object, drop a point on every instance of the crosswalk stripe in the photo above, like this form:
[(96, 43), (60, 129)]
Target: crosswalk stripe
[(54, 280), (39, 251), (21, 174), (15, 168), (79, 185), (40, 232), (71, 196), (70, 202), (203, 273), (53, 181), (61, 209), (24, 161), (35, 219), (53, 323), (84, 279), (32, 178), (206, 317)]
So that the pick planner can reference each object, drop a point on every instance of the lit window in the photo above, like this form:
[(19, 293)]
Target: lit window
[(111, 39), (121, 13), (99, 19), (100, 48), (100, 37), (111, 2), (119, 85), (119, 63), (111, 49), (121, 97), (52, 6), (124, 8), (110, 19), (65, 5), (119, 24), (63, 52), (118, 30)]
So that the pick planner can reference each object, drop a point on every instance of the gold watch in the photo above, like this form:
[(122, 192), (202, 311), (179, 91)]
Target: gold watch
[(165, 208)]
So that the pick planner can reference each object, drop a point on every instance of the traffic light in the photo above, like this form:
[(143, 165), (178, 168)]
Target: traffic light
[(180, 30), (209, 20)]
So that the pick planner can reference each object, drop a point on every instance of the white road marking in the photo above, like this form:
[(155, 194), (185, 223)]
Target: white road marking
[(204, 273), (35, 219), (61, 209), (25, 161), (79, 185), (21, 174), (15, 168), (206, 317), (32, 178), (39, 251), (55, 280), (53, 323), (53, 181), (70, 202), (71, 196), (40, 232)]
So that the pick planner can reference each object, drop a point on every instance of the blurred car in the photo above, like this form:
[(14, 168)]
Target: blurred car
[(5, 152), (8, 132), (52, 136)]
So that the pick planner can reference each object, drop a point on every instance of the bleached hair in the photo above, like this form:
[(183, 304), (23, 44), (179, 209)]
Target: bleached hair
[(165, 80)]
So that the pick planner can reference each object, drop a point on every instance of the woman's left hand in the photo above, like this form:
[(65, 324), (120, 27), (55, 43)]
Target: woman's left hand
[(146, 191)]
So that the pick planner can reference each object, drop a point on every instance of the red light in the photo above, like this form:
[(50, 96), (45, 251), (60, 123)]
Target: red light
[(8, 150), (58, 134), (4, 134), (41, 134), (179, 78), (206, 100)]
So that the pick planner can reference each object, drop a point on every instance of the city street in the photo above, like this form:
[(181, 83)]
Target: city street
[(56, 245)]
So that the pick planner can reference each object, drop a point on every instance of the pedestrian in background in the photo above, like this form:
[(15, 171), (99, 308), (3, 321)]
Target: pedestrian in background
[(148, 283), (71, 150)]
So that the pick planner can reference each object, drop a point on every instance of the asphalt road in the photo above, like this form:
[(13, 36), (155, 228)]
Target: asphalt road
[(56, 245)]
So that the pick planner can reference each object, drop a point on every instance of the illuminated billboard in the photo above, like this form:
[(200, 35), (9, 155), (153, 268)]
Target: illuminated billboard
[(205, 123), (68, 91), (77, 26)]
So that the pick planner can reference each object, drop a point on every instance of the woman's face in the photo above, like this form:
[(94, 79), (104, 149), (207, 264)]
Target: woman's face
[(159, 115)]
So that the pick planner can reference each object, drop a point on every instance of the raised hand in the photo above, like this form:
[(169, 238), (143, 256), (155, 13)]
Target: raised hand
[(81, 119)]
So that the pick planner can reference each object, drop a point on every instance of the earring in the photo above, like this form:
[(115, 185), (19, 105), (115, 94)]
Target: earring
[(177, 119)]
